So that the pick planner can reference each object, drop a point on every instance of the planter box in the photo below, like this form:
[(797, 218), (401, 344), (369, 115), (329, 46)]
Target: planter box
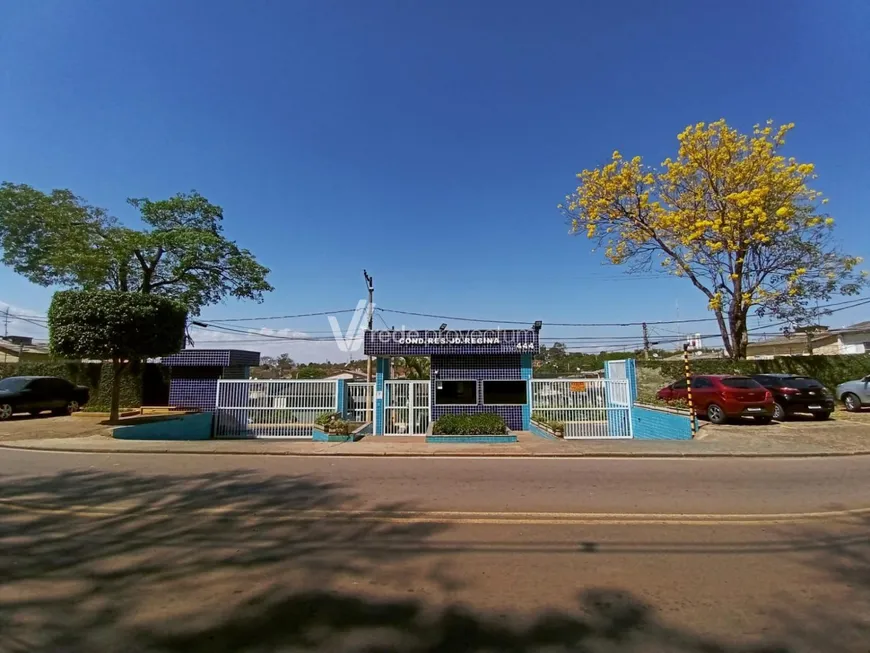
[(544, 431), (504, 438), (319, 435)]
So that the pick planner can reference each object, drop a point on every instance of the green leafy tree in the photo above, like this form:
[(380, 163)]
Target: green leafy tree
[(311, 372), (117, 326), (57, 238)]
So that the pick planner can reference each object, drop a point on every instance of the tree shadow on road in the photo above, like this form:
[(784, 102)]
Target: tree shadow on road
[(236, 561)]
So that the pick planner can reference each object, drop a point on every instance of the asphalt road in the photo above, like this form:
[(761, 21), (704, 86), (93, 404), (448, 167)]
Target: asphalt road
[(196, 553)]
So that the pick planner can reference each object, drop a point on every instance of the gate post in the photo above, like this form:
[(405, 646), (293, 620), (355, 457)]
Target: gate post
[(341, 398), (382, 374), (526, 375)]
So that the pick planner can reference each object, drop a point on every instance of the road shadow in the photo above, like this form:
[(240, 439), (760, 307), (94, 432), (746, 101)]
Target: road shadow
[(236, 561)]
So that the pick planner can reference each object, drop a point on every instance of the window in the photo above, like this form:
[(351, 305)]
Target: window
[(701, 382), (456, 392), (13, 383), (742, 382), (504, 392), (679, 385), (802, 383)]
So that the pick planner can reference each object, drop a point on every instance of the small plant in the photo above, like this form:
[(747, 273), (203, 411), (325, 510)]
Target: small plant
[(470, 424), (326, 418), (334, 423), (651, 400), (558, 427)]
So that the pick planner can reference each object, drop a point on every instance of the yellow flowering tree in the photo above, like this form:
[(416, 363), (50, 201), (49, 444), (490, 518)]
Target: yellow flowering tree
[(731, 214)]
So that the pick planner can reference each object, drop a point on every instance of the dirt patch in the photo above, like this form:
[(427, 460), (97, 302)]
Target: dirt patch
[(25, 427)]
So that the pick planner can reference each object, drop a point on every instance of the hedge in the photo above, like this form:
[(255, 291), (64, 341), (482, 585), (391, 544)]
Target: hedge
[(830, 370), (98, 378), (469, 424)]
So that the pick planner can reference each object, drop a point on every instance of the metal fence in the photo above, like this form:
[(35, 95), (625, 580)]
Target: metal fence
[(360, 401), (406, 407), (589, 408), (272, 409)]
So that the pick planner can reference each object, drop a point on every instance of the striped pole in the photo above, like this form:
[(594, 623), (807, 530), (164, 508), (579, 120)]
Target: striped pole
[(689, 388)]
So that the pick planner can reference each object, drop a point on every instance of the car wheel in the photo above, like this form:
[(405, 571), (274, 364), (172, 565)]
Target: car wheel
[(715, 414), (778, 412), (853, 403), (764, 419), (5, 411), (72, 406), (822, 416)]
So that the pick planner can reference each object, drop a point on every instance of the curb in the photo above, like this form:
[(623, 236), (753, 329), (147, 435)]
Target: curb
[(456, 454)]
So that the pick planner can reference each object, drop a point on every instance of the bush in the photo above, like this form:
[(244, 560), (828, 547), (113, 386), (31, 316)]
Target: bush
[(555, 425), (326, 418), (470, 424), (830, 370), (98, 379)]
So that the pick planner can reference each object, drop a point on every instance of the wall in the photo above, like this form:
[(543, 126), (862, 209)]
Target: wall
[(182, 427), (479, 368), (853, 343), (650, 423)]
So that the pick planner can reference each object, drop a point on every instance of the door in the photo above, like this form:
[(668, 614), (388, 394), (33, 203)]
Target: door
[(702, 393), (36, 397), (678, 390)]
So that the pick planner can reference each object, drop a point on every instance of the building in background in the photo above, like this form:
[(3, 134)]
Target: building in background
[(21, 348), (818, 340)]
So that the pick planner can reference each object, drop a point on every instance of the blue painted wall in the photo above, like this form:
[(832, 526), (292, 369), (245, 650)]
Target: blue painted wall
[(660, 424), (182, 427), (479, 368)]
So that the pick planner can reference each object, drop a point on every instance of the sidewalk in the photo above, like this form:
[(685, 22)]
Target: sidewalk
[(736, 441)]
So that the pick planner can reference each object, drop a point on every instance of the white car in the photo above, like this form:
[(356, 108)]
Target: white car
[(855, 394)]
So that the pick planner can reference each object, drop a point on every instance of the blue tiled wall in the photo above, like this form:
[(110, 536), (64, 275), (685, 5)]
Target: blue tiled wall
[(653, 424), (382, 373), (479, 368)]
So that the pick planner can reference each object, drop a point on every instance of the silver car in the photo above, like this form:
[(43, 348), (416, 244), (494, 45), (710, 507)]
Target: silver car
[(855, 394)]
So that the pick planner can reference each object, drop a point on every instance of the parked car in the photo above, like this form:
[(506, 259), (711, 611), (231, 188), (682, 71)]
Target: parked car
[(855, 394), (797, 394), (721, 397), (35, 394)]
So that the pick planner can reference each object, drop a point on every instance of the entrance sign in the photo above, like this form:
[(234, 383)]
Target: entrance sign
[(578, 386), (471, 342)]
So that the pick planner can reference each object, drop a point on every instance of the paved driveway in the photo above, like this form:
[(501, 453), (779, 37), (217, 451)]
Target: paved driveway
[(25, 427), (843, 431)]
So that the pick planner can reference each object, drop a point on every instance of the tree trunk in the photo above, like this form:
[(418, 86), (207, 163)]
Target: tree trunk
[(726, 336), (114, 410)]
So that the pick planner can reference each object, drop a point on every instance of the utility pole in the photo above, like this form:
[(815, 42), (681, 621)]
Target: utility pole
[(6, 324), (370, 285), (645, 342)]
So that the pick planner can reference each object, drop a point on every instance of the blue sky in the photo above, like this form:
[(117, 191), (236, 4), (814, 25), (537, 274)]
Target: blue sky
[(429, 142)]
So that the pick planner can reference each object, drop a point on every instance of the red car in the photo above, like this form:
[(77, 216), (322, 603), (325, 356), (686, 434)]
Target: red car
[(722, 396)]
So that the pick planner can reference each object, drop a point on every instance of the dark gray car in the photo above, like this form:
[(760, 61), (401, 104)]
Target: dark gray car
[(35, 394)]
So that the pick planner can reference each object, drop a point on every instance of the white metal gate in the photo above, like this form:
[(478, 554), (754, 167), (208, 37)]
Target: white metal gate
[(360, 401), (406, 407), (588, 408), (272, 408)]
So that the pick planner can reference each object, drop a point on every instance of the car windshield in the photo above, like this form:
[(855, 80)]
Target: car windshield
[(12, 384), (801, 382), (740, 382)]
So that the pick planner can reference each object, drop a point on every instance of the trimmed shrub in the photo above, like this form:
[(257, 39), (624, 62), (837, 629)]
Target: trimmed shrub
[(124, 327), (470, 424), (97, 377), (830, 370)]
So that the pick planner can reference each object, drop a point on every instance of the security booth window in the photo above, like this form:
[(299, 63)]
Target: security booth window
[(505, 393), (456, 393)]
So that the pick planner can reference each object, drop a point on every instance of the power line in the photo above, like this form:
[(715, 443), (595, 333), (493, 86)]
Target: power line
[(283, 317), (576, 324)]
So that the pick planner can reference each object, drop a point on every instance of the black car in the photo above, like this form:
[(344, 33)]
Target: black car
[(34, 394), (797, 394)]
